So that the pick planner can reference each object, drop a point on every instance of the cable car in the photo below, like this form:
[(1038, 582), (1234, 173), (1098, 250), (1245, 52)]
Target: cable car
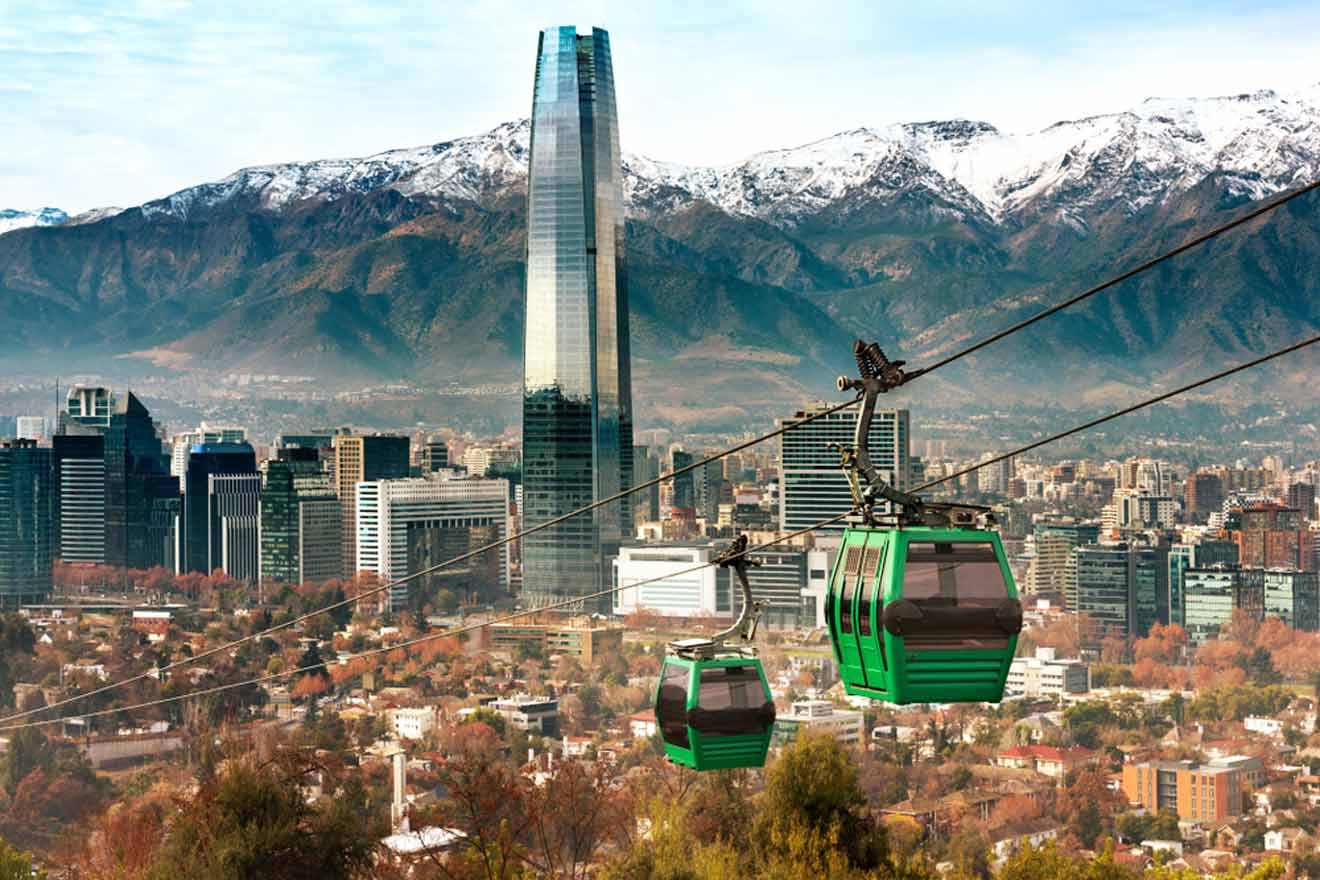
[(922, 608), (713, 704)]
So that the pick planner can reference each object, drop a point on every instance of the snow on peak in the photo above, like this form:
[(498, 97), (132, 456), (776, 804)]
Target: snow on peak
[(1260, 142), (11, 219)]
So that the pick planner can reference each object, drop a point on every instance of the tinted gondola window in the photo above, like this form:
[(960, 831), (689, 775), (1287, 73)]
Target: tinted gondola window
[(953, 575), (732, 701), (671, 705), (852, 563), (870, 577)]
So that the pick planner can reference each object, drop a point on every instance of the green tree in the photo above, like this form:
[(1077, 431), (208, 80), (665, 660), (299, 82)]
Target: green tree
[(28, 751), (254, 822), (17, 865), (812, 798), (1045, 862)]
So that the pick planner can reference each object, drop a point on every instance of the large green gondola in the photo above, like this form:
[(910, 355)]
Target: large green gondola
[(921, 608), (923, 615)]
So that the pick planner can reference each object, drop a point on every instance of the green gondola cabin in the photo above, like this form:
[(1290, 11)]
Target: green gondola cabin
[(714, 713), (921, 614)]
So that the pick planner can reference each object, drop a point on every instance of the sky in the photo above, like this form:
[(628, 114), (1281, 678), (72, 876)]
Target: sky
[(116, 103)]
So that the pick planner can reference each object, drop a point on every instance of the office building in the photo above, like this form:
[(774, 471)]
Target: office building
[(300, 522), (577, 386), (493, 460), (207, 433), (1122, 588), (531, 715), (1045, 675), (667, 586), (1271, 536), (319, 441), (25, 526), (1301, 496), (845, 725), (1203, 793), (812, 486), (142, 501), (221, 516), (357, 459), (234, 510), (1205, 554), (78, 497), (1203, 495), (1139, 509), (31, 428), (646, 502), (435, 454), (410, 525), (85, 405), (683, 491), (783, 581), (1053, 569), (1292, 596), (586, 642), (709, 490)]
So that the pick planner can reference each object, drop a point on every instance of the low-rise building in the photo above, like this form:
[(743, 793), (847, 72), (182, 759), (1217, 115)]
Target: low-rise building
[(1197, 792), (538, 715), (844, 725), (1046, 760), (1044, 675), (586, 641), (411, 723)]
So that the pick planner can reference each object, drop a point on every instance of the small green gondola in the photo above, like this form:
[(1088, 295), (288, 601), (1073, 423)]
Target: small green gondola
[(713, 704), (922, 609)]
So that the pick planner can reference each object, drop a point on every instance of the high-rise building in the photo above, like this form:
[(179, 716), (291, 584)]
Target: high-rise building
[(86, 405), (234, 507), (1123, 589), (1203, 495), (1272, 536), (359, 458), (708, 485), (78, 497), (577, 386), (812, 486), (409, 525), (207, 432), (31, 428), (1205, 554), (435, 455), (25, 528), (141, 497), (683, 500), (497, 460), (1054, 569), (1302, 497), (1211, 594), (221, 516), (301, 522), (646, 467)]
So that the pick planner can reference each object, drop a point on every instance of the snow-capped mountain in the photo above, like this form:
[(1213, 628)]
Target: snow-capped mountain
[(1260, 142), (11, 219)]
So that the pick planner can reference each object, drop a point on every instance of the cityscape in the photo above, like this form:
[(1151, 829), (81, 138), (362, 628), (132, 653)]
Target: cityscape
[(636, 601)]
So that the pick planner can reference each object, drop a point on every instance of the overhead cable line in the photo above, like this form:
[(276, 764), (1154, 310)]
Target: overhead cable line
[(451, 633), (788, 426), (494, 545), (779, 541)]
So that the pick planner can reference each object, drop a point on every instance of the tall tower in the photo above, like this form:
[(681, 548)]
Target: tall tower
[(577, 397)]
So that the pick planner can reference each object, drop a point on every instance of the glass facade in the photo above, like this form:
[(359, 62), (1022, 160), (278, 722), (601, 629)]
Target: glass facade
[(577, 406), (813, 487), (25, 529)]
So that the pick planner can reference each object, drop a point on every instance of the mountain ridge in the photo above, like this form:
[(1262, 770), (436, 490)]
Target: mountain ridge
[(409, 262)]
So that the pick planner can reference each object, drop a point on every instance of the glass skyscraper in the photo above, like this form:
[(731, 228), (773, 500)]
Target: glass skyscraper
[(577, 398)]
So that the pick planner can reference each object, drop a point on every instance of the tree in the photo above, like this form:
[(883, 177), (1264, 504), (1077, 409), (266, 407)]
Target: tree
[(28, 751), (1045, 862), (17, 865), (812, 798), (252, 821)]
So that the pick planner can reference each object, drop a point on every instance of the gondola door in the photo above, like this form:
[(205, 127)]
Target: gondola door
[(844, 592), (869, 601)]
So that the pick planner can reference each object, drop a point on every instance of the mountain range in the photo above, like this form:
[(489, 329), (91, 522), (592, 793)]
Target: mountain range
[(747, 281)]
